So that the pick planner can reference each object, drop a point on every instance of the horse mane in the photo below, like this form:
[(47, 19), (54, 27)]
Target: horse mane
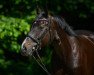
[(62, 23)]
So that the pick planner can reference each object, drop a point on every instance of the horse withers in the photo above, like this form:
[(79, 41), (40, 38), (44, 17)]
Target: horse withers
[(73, 52)]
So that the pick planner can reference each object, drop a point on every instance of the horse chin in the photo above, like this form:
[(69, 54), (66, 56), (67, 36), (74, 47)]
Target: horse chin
[(27, 53), (24, 54)]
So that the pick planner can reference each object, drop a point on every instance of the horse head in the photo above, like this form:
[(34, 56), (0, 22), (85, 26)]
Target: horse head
[(39, 35)]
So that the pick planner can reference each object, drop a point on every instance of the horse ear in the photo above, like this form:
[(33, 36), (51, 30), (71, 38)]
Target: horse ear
[(46, 7), (46, 11), (38, 10)]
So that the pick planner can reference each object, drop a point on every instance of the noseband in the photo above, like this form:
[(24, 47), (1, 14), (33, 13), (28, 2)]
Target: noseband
[(36, 41)]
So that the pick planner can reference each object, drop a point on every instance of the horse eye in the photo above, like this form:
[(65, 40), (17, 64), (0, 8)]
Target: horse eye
[(41, 22)]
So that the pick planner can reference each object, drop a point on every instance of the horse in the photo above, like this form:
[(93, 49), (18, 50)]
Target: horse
[(73, 52)]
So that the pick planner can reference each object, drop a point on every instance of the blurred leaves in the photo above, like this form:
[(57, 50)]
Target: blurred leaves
[(10, 29)]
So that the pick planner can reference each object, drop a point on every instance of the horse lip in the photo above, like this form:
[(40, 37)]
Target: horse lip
[(23, 50), (24, 53)]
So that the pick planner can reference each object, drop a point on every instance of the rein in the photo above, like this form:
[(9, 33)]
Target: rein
[(41, 64)]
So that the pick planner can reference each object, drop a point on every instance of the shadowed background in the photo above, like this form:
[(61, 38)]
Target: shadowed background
[(16, 17)]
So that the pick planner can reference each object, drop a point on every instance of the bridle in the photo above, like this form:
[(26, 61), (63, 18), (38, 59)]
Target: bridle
[(38, 47)]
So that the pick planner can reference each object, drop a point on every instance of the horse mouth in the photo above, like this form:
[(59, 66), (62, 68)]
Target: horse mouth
[(28, 52), (24, 54)]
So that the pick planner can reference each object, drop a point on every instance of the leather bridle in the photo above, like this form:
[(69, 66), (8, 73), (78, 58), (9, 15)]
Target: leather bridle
[(38, 46)]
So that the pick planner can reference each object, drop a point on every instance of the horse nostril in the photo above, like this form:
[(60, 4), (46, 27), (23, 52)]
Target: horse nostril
[(24, 48), (23, 53)]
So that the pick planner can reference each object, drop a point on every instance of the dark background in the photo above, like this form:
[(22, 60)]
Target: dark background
[(16, 17)]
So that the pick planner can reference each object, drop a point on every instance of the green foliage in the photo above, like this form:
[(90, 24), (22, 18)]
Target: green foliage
[(10, 29)]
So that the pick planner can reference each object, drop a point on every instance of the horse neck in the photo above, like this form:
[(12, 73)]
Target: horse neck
[(64, 46), (64, 38), (61, 44), (61, 33)]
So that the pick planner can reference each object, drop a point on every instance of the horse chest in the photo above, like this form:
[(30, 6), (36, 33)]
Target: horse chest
[(74, 52)]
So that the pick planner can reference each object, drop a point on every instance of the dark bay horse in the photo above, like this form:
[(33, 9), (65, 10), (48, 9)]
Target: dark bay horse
[(73, 52)]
